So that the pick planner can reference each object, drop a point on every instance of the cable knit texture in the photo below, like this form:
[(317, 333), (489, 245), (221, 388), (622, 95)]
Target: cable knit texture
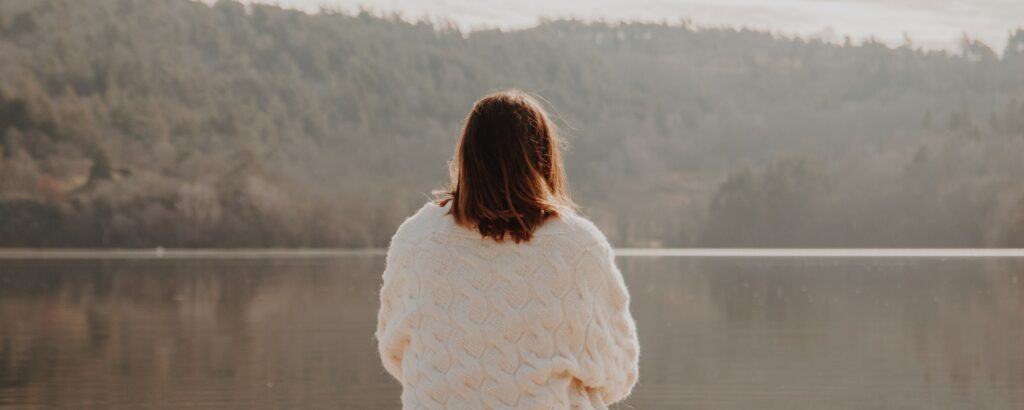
[(470, 323)]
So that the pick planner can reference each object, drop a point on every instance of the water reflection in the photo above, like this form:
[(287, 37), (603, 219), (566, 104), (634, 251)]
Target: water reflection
[(209, 333), (831, 333), (715, 333)]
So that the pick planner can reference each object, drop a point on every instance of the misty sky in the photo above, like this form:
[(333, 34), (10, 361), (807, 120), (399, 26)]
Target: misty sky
[(929, 23)]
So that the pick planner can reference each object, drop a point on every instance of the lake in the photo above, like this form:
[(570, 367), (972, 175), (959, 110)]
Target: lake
[(723, 332)]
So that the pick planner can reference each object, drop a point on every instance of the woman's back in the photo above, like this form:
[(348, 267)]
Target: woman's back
[(470, 322)]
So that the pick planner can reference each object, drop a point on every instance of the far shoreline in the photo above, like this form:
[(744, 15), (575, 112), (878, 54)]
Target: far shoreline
[(300, 253)]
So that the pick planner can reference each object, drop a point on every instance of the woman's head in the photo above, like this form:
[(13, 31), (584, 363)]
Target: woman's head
[(507, 176)]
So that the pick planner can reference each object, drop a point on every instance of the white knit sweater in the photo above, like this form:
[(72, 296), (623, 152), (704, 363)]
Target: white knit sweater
[(470, 323)]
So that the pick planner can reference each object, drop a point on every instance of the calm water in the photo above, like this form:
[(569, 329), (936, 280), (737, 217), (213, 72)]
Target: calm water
[(716, 333)]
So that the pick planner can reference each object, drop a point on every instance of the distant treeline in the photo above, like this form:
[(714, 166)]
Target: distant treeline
[(175, 123)]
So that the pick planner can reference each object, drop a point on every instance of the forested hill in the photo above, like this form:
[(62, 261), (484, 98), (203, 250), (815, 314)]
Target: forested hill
[(175, 123)]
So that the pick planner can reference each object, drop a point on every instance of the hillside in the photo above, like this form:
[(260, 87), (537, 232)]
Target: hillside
[(174, 123)]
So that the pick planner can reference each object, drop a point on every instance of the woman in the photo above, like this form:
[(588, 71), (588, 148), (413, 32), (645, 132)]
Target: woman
[(499, 295)]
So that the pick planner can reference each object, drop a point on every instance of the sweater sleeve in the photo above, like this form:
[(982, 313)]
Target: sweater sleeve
[(609, 353), (393, 327)]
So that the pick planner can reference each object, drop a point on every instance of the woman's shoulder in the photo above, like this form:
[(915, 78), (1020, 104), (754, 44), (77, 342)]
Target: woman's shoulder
[(575, 226), (432, 218), (427, 220)]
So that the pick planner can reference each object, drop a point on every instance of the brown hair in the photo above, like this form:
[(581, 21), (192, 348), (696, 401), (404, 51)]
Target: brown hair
[(507, 176)]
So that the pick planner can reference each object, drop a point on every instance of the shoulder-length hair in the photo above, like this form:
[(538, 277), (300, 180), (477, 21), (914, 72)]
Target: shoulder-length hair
[(507, 176)]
